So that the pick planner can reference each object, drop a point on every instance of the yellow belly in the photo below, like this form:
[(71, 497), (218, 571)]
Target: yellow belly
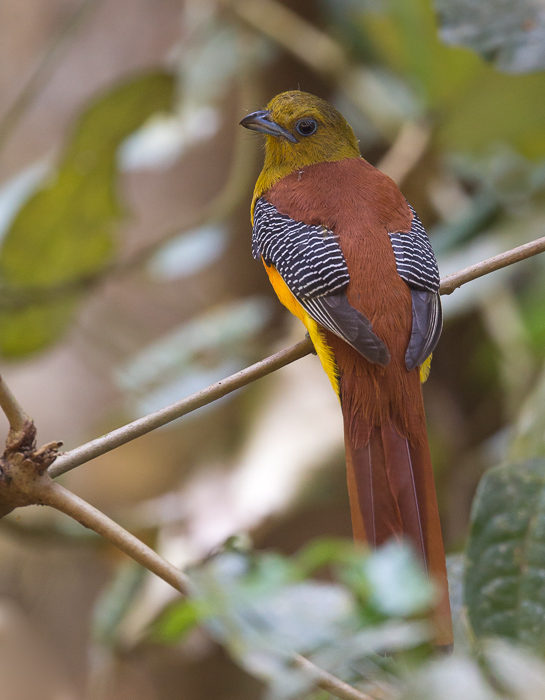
[(323, 350)]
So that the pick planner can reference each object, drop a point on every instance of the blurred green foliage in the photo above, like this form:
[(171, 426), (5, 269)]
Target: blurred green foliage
[(475, 106), (65, 232), (264, 608), (510, 33)]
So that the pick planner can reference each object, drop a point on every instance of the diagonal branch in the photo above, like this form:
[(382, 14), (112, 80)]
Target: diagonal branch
[(56, 496), (457, 279), (63, 500), (326, 681), (24, 481), (144, 425)]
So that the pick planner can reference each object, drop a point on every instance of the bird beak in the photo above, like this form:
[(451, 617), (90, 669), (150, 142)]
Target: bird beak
[(261, 121)]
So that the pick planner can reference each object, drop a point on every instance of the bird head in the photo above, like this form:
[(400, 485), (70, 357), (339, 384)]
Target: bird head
[(302, 130)]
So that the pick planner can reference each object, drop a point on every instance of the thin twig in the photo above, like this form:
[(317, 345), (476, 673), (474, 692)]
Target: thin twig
[(328, 682), (9, 404), (56, 496), (137, 428), (42, 71), (457, 279), (144, 425)]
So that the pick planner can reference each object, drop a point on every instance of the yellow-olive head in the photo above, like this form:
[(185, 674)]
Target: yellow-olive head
[(301, 130)]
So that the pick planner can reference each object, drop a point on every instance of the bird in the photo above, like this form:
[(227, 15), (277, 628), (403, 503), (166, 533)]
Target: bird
[(347, 255)]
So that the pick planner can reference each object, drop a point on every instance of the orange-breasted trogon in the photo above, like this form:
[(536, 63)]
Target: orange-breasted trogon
[(348, 255)]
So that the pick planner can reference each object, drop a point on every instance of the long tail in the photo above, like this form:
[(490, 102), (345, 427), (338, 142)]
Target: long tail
[(392, 494)]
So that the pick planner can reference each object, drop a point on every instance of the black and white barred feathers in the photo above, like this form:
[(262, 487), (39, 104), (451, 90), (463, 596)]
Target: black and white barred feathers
[(415, 259), (417, 266), (308, 258), (310, 261)]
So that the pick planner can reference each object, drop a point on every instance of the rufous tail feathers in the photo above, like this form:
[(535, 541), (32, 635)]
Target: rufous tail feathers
[(392, 494)]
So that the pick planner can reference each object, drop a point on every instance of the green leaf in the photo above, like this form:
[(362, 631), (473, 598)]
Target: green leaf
[(65, 232), (325, 551), (510, 33), (258, 607), (498, 108), (176, 620), (504, 584), (259, 610), (34, 326)]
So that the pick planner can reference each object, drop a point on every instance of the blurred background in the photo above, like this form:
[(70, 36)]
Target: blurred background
[(127, 283)]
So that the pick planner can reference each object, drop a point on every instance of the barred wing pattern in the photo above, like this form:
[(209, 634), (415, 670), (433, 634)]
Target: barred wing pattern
[(308, 258), (417, 266), (310, 261), (415, 259)]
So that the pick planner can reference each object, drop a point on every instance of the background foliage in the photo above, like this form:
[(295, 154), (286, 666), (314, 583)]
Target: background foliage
[(127, 282)]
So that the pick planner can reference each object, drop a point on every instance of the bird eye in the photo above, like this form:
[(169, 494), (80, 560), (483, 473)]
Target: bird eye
[(306, 127)]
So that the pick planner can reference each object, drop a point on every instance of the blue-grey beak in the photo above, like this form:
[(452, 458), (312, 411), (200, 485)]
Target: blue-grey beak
[(261, 121)]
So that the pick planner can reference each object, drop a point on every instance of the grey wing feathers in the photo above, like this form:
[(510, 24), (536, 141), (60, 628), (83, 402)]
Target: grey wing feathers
[(426, 329), (336, 314), (417, 266), (311, 263)]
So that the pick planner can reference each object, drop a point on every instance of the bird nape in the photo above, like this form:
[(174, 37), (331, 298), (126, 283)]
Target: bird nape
[(347, 255)]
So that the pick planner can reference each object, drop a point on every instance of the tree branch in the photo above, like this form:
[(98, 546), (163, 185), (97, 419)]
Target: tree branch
[(63, 500), (144, 425), (24, 480), (9, 404), (56, 496), (328, 682), (457, 279)]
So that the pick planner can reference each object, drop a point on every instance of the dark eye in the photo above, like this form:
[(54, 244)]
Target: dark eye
[(306, 127)]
